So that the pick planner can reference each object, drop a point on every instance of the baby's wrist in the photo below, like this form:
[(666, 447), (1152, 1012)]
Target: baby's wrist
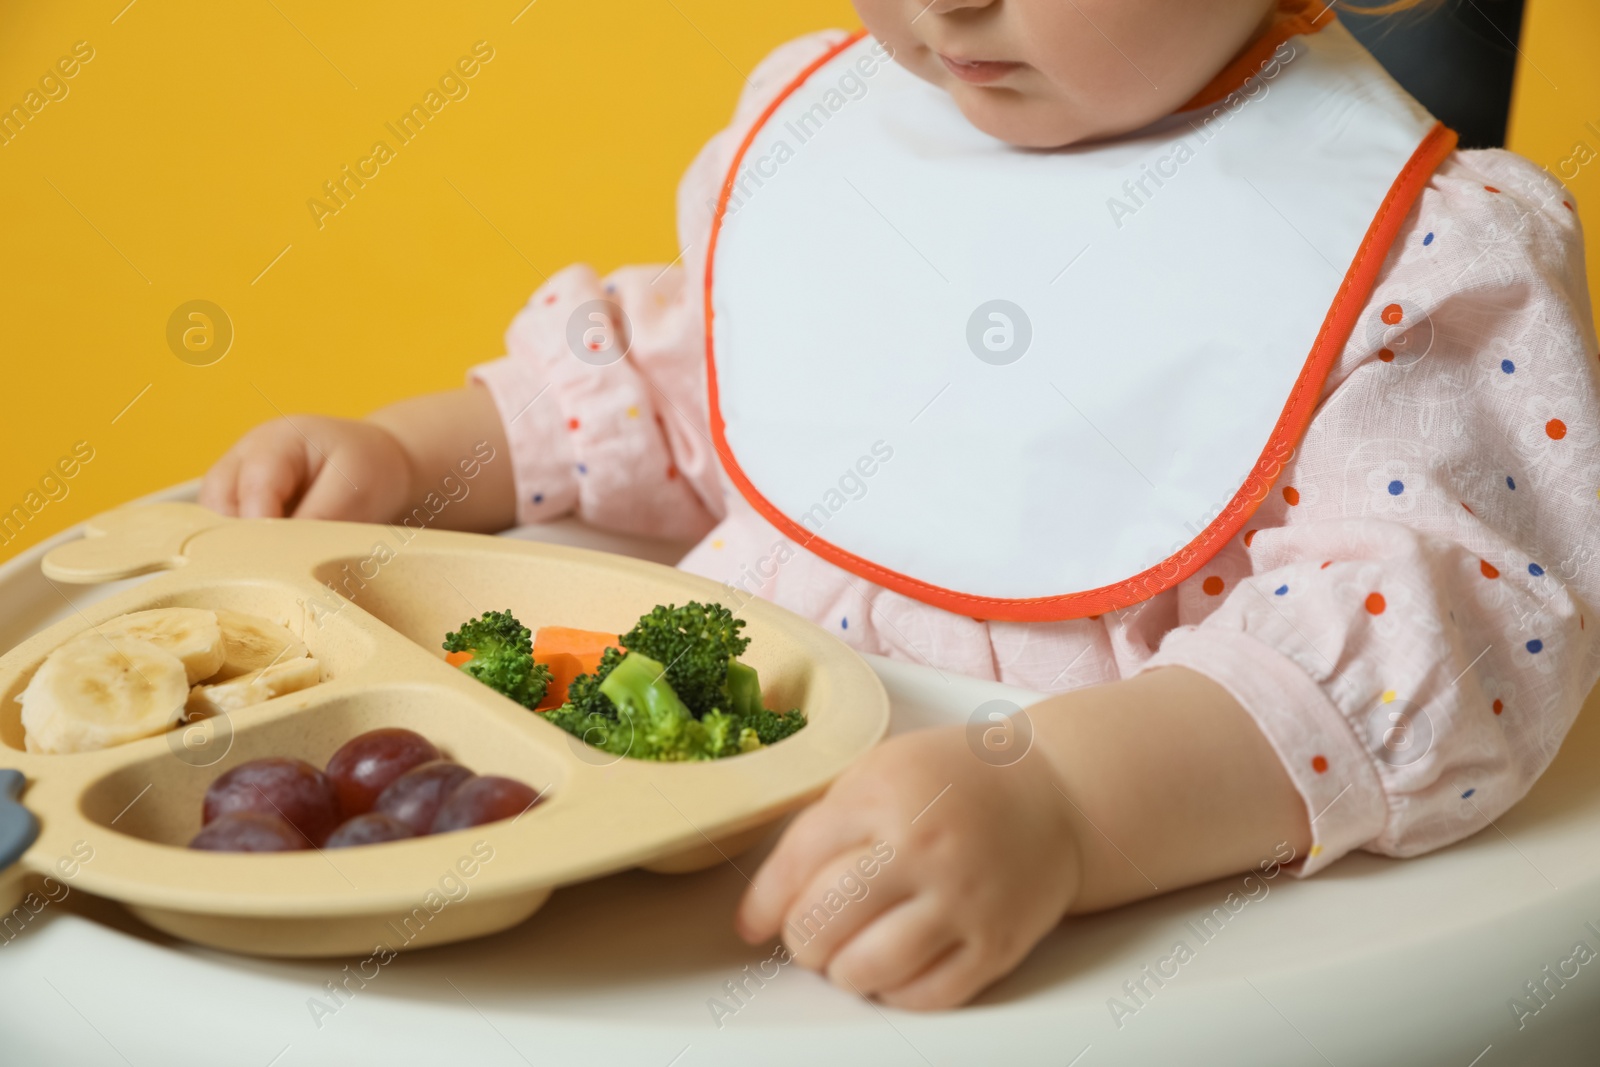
[(1073, 828), (1055, 788), (404, 467)]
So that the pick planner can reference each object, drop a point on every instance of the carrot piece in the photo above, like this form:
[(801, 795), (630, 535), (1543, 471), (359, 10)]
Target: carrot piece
[(456, 659), (564, 667), (577, 642), (568, 653)]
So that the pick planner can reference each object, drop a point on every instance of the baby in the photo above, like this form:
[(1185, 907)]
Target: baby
[(1278, 465)]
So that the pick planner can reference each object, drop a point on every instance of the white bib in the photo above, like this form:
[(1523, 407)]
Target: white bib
[(1072, 374)]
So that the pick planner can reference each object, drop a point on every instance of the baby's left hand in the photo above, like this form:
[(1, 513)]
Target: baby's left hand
[(973, 864)]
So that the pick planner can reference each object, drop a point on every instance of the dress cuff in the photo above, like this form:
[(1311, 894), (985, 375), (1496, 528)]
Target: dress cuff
[(541, 450), (1326, 761)]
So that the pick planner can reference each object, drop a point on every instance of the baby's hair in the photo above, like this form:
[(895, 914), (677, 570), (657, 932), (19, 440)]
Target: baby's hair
[(1393, 7)]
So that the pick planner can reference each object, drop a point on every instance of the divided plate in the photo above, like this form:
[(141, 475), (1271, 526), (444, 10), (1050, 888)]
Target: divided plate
[(373, 604)]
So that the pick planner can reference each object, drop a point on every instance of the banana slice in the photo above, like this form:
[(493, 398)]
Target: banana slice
[(250, 643), (191, 634), (96, 691), (258, 687)]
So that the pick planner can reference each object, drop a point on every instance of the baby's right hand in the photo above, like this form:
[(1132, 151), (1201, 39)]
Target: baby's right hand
[(311, 467)]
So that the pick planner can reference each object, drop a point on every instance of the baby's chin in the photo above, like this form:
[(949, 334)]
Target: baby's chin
[(1021, 119)]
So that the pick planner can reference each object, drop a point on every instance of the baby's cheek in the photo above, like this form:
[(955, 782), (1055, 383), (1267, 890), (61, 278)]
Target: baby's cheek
[(886, 20)]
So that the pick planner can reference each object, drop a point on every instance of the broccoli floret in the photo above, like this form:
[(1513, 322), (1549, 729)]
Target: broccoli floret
[(678, 693), (502, 656), (743, 689), (770, 727), (696, 642), (652, 723), (598, 730), (584, 694), (744, 703)]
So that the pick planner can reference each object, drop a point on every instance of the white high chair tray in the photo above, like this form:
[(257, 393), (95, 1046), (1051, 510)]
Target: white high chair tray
[(1374, 961)]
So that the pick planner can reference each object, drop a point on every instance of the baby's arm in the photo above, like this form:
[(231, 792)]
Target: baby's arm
[(1128, 790), (1171, 784), (373, 470)]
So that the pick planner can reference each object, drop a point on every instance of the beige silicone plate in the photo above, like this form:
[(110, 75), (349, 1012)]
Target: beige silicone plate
[(378, 642)]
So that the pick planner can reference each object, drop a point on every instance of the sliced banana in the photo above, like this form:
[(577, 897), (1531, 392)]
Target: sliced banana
[(251, 642), (258, 687), (96, 691), (191, 634)]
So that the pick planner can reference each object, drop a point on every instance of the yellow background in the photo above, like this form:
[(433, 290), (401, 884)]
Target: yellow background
[(180, 162)]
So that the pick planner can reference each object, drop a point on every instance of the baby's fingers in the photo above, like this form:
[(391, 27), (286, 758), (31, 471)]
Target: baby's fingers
[(952, 980), (896, 947), (269, 479), (819, 834), (838, 903), (219, 488), (333, 495)]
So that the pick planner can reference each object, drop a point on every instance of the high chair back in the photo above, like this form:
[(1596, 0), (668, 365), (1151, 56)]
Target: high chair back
[(1555, 105)]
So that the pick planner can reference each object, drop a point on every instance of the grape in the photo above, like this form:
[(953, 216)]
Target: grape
[(291, 789), (248, 831), (415, 797), (481, 800), (367, 764), (373, 828)]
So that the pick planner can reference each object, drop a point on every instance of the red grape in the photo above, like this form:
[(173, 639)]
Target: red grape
[(366, 765), (481, 800), (291, 789), (373, 828), (415, 797), (248, 831)]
